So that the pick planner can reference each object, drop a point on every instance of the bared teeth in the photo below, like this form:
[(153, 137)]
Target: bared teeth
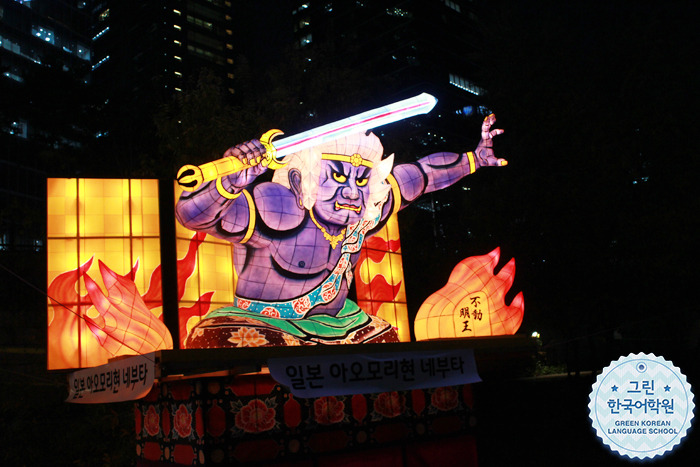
[(349, 207)]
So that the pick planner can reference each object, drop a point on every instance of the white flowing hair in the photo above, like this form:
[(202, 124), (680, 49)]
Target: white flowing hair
[(308, 162)]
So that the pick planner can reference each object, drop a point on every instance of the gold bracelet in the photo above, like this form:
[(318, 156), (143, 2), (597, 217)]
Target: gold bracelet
[(222, 191), (396, 192), (472, 162), (251, 219)]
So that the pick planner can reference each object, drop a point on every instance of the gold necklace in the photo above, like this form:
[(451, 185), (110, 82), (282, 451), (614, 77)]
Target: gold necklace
[(332, 239)]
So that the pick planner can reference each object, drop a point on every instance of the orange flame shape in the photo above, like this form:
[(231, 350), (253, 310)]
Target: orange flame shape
[(121, 322), (472, 303), (185, 268), (125, 324), (63, 323)]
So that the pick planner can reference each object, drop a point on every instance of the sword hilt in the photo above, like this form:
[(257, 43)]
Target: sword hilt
[(271, 160), (191, 177)]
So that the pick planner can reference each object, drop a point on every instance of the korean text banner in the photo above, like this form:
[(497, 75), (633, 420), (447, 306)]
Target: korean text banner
[(337, 375)]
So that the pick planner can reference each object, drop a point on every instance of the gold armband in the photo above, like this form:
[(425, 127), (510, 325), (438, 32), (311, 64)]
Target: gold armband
[(396, 192), (251, 214), (222, 191), (472, 162)]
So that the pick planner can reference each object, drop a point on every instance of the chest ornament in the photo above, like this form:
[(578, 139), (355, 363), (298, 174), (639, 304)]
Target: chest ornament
[(332, 239)]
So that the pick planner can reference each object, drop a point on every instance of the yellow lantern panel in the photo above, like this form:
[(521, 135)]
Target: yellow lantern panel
[(379, 280), (103, 263), (206, 275)]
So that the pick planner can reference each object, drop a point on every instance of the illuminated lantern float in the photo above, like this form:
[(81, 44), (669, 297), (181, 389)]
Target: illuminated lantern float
[(295, 243), (284, 253), (301, 234), (293, 269)]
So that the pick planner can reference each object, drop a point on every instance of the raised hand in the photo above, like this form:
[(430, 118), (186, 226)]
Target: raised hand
[(251, 153), (484, 151), (241, 163)]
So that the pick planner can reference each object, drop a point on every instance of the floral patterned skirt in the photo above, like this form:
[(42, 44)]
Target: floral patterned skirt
[(233, 327)]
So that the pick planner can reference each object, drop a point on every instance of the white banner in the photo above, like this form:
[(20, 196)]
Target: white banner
[(126, 379), (337, 375)]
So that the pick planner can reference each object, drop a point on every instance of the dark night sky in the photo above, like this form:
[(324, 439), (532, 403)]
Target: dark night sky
[(598, 204)]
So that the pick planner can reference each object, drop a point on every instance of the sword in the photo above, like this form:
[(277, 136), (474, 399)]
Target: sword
[(190, 177)]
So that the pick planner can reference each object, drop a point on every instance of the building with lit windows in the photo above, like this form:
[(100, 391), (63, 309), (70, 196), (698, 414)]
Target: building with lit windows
[(157, 46), (35, 33), (415, 46), (145, 52), (45, 59)]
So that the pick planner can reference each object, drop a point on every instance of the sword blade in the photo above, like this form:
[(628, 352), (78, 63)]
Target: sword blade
[(417, 105), (191, 177)]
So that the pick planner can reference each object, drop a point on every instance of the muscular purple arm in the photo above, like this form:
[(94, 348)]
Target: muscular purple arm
[(226, 217), (440, 170), (207, 211)]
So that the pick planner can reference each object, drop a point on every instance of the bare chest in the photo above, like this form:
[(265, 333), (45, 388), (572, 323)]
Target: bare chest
[(308, 252)]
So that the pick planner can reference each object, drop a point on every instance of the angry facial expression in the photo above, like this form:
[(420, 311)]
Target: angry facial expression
[(343, 191)]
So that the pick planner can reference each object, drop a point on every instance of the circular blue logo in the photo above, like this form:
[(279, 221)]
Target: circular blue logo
[(641, 406)]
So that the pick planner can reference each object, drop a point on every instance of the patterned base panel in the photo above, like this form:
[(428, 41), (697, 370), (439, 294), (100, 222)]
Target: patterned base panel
[(252, 419), (232, 331)]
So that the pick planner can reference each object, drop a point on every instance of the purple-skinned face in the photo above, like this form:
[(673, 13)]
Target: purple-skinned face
[(343, 191)]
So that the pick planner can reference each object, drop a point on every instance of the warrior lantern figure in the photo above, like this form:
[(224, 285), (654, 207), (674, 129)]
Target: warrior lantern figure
[(299, 236)]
